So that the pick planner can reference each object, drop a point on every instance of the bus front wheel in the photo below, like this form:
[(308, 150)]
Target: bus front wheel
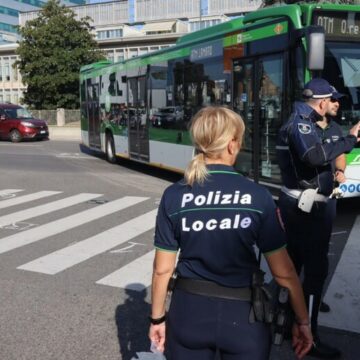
[(110, 149)]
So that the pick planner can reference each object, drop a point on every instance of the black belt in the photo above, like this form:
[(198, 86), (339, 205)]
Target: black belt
[(211, 289)]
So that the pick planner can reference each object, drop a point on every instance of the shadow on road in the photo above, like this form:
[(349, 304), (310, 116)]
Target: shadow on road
[(132, 322)]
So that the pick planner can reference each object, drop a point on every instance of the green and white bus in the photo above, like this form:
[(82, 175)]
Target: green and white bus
[(140, 109)]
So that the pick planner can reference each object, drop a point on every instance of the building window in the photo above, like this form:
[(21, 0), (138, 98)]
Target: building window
[(110, 56), (6, 71), (16, 98), (8, 27), (133, 53), (7, 96), (14, 70), (143, 51), (197, 25), (8, 11), (120, 55), (109, 34)]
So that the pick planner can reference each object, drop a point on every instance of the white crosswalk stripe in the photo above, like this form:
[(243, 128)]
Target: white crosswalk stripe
[(27, 198), (9, 191), (58, 226), (72, 255), (46, 208), (134, 276)]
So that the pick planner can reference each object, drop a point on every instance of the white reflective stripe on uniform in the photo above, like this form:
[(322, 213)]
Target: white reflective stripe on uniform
[(58, 226), (136, 275), (279, 147), (294, 193), (45, 209), (27, 198), (86, 249)]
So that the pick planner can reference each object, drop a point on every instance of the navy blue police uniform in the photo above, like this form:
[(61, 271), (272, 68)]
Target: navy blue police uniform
[(306, 160), (330, 133), (216, 226)]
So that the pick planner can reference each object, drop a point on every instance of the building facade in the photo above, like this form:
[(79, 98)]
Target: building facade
[(10, 11), (123, 29)]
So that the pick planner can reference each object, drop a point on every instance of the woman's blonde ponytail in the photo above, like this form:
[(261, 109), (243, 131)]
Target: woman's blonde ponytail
[(211, 130), (196, 170)]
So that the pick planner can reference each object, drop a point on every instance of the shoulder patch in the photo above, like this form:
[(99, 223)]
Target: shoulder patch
[(304, 128)]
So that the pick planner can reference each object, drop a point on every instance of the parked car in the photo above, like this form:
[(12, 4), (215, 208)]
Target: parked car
[(167, 116), (17, 123)]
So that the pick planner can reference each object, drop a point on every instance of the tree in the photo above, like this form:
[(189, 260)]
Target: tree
[(53, 48)]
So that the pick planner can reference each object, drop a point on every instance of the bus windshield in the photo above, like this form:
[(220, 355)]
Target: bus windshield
[(342, 70)]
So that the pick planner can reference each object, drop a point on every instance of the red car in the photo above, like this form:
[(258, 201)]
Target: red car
[(16, 124)]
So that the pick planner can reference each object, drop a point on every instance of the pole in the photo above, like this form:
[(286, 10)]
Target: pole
[(200, 13)]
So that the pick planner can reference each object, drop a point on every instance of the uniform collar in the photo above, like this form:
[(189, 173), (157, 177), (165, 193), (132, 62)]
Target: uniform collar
[(220, 167), (306, 111), (328, 125)]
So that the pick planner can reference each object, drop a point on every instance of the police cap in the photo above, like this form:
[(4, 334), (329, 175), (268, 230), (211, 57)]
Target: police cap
[(318, 88)]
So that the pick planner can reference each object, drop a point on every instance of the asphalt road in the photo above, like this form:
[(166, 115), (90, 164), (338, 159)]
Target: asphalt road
[(76, 248)]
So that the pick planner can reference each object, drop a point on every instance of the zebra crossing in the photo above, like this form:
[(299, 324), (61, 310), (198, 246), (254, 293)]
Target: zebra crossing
[(139, 271), (343, 294)]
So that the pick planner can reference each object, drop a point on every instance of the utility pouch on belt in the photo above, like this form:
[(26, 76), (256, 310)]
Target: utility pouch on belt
[(172, 283), (306, 200), (261, 300)]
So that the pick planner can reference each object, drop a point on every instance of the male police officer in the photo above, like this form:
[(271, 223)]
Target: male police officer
[(328, 131), (306, 168)]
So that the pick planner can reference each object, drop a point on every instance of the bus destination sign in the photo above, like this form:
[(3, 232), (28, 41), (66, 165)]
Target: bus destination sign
[(338, 24)]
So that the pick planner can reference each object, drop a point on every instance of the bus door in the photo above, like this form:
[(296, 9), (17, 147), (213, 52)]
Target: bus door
[(258, 98), (138, 119), (244, 104), (93, 114)]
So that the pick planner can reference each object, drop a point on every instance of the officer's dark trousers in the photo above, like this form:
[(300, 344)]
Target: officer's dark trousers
[(308, 236), (198, 325)]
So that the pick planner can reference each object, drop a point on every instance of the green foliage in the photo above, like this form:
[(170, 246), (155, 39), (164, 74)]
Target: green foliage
[(53, 48)]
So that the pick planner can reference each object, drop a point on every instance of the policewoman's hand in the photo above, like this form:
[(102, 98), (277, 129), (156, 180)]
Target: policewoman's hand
[(157, 336), (302, 339)]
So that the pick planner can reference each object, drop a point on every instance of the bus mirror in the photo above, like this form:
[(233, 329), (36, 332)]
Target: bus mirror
[(315, 39)]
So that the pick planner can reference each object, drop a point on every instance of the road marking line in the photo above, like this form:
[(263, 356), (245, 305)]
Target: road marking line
[(58, 226), (338, 233), (44, 209), (9, 191), (343, 293), (69, 256), (126, 248), (26, 198), (75, 156), (133, 276)]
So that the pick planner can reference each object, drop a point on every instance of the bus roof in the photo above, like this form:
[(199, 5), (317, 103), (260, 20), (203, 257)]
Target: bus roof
[(220, 29), (94, 66), (299, 15)]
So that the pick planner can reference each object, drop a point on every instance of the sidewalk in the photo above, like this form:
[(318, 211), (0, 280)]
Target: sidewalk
[(69, 132)]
